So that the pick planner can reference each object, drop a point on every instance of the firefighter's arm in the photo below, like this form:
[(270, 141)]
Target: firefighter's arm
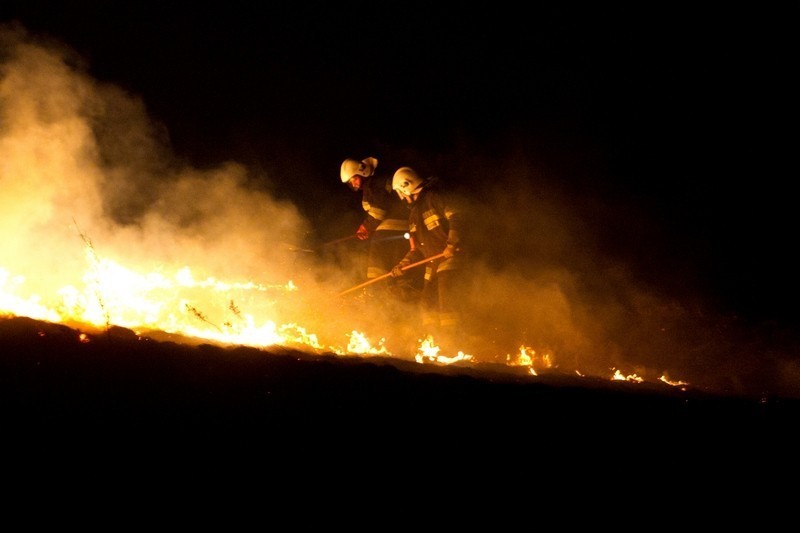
[(452, 247), (367, 228)]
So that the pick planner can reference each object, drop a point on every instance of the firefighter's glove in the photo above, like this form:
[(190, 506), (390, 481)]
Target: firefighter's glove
[(449, 251), (362, 233), (397, 271)]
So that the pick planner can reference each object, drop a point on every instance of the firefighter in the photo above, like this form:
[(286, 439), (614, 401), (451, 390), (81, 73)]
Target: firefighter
[(435, 226), (385, 226)]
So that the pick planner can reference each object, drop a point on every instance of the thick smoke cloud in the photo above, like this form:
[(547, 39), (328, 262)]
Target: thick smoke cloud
[(81, 160), (81, 153)]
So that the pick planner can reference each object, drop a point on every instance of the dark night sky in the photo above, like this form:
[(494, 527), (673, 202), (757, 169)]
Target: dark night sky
[(680, 111)]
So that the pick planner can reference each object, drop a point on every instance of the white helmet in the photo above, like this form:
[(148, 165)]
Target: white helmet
[(406, 182), (353, 167)]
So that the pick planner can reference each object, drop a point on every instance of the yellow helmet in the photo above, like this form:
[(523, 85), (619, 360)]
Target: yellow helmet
[(406, 182), (353, 167)]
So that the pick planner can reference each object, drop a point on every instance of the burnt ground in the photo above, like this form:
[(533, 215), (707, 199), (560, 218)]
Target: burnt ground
[(125, 399)]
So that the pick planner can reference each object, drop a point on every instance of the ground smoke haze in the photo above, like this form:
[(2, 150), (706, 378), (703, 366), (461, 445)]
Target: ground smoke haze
[(86, 175)]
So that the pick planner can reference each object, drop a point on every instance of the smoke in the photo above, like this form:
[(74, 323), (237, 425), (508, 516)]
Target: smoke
[(586, 276), (81, 161)]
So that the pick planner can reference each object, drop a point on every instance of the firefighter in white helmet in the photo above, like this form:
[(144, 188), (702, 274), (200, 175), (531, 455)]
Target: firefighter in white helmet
[(435, 226), (385, 226)]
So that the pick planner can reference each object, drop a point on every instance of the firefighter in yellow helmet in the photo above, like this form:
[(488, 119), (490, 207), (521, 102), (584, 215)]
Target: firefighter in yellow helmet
[(385, 225), (435, 226)]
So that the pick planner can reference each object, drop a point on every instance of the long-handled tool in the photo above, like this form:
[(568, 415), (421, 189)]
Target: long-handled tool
[(337, 241), (293, 248), (353, 236), (388, 274)]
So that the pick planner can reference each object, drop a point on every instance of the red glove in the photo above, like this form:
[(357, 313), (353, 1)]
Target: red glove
[(362, 233)]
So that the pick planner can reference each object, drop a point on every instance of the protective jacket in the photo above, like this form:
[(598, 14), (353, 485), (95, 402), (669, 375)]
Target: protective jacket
[(385, 211), (434, 225)]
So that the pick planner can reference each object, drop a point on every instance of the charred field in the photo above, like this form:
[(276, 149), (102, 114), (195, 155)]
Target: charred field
[(115, 390)]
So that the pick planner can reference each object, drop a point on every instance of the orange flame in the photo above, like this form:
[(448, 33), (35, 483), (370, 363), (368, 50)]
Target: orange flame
[(428, 351), (618, 376), (527, 356), (666, 380)]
